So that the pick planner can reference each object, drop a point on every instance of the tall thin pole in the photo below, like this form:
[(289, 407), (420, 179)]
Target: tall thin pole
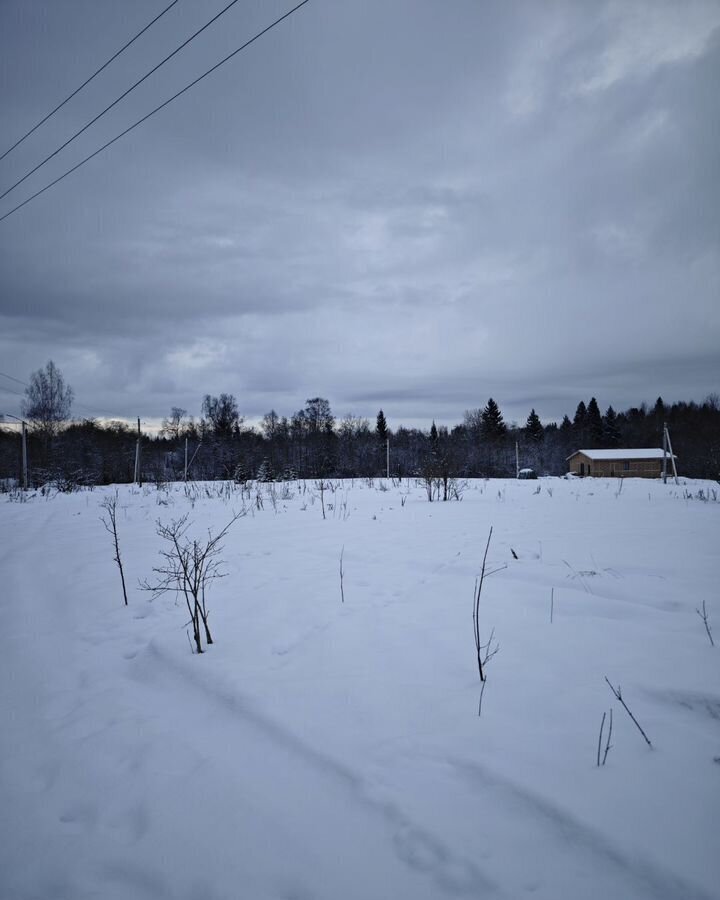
[(138, 464), (672, 455), (387, 456), (664, 469), (186, 451), (517, 460), (24, 457)]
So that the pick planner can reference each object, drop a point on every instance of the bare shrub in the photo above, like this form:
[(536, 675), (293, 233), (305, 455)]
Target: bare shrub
[(189, 567)]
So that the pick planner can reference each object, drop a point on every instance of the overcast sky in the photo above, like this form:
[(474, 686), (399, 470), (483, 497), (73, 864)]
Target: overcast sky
[(406, 204)]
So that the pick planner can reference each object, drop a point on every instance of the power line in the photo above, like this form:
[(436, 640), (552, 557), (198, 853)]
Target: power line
[(12, 378), (152, 112), (90, 409), (88, 80), (20, 394), (118, 99), (8, 390)]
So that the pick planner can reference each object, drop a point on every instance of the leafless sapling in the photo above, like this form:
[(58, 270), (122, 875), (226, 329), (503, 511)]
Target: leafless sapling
[(619, 696), (109, 520), (703, 615), (189, 567), (484, 652)]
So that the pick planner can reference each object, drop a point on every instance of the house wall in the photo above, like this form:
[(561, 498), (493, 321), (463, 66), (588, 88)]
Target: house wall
[(580, 464)]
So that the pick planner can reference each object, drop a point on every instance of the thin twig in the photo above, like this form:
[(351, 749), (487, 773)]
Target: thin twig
[(489, 650), (109, 504), (482, 691), (476, 608), (608, 745), (342, 590), (703, 616), (485, 652), (618, 695), (602, 725)]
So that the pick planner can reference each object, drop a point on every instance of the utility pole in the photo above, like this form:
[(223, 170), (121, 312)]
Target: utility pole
[(24, 456), (138, 476), (23, 432), (387, 456), (186, 451), (192, 460), (667, 447), (517, 460)]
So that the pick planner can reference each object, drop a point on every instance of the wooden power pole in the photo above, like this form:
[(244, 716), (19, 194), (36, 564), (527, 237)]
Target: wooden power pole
[(668, 451), (138, 461), (24, 456)]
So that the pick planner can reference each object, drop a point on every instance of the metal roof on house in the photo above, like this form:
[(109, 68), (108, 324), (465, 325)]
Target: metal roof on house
[(634, 453)]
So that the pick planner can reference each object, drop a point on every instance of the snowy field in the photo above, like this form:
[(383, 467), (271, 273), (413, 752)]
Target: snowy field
[(333, 750)]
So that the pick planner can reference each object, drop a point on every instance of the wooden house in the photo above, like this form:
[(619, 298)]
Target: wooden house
[(644, 462)]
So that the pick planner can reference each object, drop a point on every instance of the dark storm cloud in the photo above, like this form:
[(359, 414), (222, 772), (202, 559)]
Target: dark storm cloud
[(414, 205)]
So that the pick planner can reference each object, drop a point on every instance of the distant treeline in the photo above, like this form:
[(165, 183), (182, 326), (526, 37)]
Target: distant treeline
[(313, 443)]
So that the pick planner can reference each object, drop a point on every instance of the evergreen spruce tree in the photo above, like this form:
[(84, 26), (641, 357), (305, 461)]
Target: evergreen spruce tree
[(611, 429), (580, 429), (492, 424), (381, 429), (594, 423), (381, 435), (659, 410), (434, 441), (534, 430)]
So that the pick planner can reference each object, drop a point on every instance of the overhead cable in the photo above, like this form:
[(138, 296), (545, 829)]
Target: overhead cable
[(88, 80), (121, 97), (152, 112)]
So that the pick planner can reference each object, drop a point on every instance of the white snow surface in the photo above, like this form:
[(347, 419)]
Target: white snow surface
[(329, 750)]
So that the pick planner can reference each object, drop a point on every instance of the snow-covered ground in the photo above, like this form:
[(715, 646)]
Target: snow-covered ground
[(322, 749)]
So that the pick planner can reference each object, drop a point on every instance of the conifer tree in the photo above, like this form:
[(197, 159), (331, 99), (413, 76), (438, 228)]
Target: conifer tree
[(434, 440), (659, 409), (381, 429), (611, 430), (594, 423), (534, 430), (580, 424), (492, 424)]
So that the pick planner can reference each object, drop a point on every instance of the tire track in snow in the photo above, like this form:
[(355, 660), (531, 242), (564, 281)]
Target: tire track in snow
[(415, 849), (644, 878)]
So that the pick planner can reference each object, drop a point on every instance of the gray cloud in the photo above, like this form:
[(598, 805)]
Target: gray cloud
[(414, 205)]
